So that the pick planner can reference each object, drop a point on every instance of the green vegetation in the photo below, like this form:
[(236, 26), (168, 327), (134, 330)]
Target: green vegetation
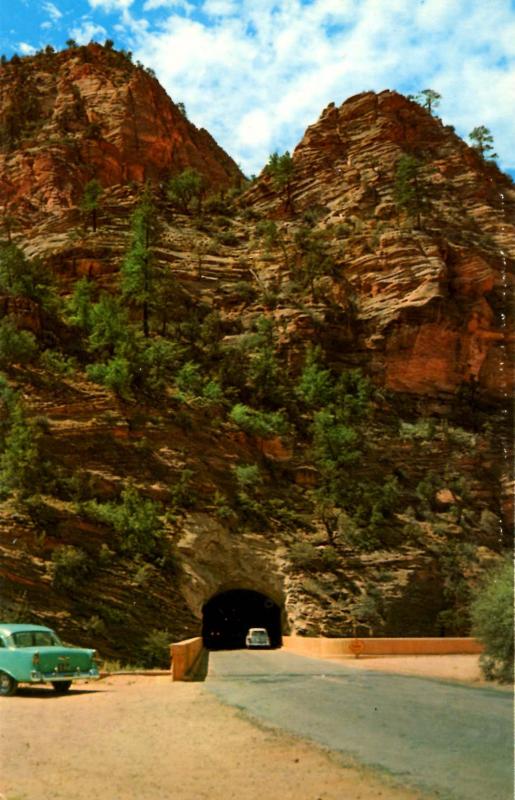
[(136, 520), (315, 259), (16, 347), (429, 99), (185, 189), (90, 202), (139, 273), (23, 277), (70, 567), (281, 170), (492, 622), (483, 141), (258, 423), (410, 190), (155, 651), (22, 468)]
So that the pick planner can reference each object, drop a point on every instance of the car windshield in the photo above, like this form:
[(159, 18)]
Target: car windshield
[(35, 639)]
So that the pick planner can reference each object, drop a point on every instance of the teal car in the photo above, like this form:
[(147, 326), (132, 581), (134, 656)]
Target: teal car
[(35, 654)]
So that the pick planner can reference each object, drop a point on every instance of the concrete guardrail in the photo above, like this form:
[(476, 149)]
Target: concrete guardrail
[(184, 656), (322, 647)]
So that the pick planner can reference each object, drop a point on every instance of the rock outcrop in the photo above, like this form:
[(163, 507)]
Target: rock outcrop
[(433, 300), (89, 113)]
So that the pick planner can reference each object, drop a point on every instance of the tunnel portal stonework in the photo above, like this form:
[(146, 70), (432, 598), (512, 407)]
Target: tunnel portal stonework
[(216, 561)]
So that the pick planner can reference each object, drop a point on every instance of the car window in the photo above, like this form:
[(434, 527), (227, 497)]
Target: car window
[(35, 639), (2, 643)]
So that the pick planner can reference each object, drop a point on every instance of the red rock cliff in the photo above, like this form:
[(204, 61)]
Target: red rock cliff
[(432, 299), (88, 112)]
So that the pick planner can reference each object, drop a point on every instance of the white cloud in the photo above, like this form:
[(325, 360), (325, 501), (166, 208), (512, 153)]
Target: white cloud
[(110, 5), (183, 5), (255, 74), (26, 49), (88, 31), (53, 12)]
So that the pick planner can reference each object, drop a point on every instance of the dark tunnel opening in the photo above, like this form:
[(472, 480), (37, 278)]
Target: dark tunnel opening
[(228, 616)]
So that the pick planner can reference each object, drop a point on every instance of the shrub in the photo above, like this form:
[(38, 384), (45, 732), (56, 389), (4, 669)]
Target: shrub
[(155, 651), (258, 423), (248, 476), (189, 378), (136, 520), (116, 375), (70, 565), (304, 555), (56, 362), (16, 347), (492, 622), (21, 464), (315, 385)]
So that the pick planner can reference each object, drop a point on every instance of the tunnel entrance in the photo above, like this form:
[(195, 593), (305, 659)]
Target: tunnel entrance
[(228, 616)]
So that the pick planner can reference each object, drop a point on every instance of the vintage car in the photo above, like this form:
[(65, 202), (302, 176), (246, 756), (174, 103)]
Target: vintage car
[(34, 654), (257, 637)]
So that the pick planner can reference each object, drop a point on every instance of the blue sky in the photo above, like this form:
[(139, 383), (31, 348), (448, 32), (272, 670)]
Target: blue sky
[(255, 73)]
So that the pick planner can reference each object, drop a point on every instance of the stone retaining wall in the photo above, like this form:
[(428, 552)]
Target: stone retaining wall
[(321, 647)]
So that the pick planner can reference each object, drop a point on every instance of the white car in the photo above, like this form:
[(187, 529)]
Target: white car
[(257, 637)]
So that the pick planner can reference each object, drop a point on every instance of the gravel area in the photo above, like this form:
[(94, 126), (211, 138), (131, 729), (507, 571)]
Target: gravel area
[(146, 738)]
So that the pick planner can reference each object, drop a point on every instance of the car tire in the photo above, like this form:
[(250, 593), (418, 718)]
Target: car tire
[(61, 687), (8, 685)]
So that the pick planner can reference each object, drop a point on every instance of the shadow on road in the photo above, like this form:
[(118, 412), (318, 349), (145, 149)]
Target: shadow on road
[(200, 668), (50, 694)]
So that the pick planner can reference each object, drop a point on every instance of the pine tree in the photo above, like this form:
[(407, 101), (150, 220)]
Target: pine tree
[(281, 169), (90, 202), (139, 271), (23, 277), (429, 99), (483, 141), (410, 189)]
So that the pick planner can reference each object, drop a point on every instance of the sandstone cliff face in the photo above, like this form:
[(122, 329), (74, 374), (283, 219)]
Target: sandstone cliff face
[(86, 113), (421, 309), (433, 301)]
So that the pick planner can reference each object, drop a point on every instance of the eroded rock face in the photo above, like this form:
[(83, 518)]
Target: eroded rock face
[(432, 299), (421, 309), (93, 115)]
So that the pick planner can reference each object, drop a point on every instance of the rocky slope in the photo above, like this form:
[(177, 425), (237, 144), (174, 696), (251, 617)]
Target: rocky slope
[(89, 113), (419, 308), (431, 303)]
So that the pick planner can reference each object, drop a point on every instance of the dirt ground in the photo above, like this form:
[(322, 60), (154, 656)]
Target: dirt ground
[(146, 738), (463, 668)]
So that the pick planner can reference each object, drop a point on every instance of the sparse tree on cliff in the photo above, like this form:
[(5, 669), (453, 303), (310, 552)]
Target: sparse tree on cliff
[(281, 169), (185, 188), (429, 99), (314, 257), (483, 142), (410, 190), (138, 272), (22, 277), (90, 202)]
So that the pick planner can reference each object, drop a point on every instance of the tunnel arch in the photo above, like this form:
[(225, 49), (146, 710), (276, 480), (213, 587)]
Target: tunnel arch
[(228, 615)]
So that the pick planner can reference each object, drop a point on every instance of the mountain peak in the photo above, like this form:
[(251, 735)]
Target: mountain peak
[(89, 112)]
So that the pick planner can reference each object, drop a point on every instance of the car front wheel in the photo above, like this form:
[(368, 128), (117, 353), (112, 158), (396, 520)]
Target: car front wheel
[(61, 686), (8, 685)]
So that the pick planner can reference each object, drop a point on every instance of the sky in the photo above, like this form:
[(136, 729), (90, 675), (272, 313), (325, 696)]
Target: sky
[(256, 73)]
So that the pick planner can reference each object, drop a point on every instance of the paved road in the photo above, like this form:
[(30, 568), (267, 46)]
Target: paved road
[(442, 737)]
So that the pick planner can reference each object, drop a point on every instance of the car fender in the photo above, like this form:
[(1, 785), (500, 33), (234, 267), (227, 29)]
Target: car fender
[(16, 664)]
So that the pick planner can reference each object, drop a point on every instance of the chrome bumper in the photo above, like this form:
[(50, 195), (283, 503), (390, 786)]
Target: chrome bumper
[(55, 677)]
